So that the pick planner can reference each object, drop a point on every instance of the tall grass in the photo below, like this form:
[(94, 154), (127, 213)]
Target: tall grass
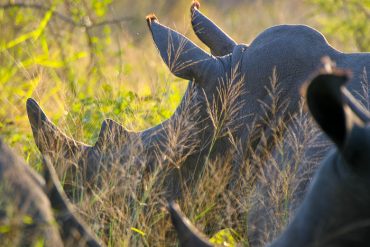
[(82, 75)]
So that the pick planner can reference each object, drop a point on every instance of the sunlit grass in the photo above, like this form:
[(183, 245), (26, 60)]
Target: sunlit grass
[(115, 72)]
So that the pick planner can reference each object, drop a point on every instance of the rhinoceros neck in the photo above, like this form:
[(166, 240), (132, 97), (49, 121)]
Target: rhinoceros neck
[(357, 62), (359, 65)]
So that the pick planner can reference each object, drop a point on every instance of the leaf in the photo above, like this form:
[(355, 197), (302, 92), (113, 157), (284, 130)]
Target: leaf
[(27, 220), (204, 212), (30, 35), (138, 231), (4, 229), (223, 237), (40, 243), (43, 23)]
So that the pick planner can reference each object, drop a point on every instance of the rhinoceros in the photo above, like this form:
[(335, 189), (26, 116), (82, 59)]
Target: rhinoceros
[(35, 210), (336, 209), (262, 82)]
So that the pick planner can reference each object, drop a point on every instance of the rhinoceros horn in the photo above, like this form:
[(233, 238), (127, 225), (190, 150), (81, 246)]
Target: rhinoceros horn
[(49, 138), (209, 33), (187, 233), (72, 228), (182, 56), (113, 133)]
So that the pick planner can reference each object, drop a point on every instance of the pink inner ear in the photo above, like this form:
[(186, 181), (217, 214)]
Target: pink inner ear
[(195, 5), (151, 17)]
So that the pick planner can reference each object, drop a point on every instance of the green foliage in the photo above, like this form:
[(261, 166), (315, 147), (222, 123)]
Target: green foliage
[(347, 20), (68, 57), (83, 67), (224, 237)]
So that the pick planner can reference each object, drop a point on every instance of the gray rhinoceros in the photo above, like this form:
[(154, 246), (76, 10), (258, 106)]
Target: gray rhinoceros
[(336, 209), (278, 61), (34, 210), (22, 196)]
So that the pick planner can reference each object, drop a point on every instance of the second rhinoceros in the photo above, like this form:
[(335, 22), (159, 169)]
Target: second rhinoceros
[(35, 210)]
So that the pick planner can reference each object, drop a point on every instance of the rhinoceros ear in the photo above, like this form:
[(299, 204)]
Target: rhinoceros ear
[(183, 57), (209, 33), (112, 133), (49, 139), (187, 233), (72, 228), (332, 106)]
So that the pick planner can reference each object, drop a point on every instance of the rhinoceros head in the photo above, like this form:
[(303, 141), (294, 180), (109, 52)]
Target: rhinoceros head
[(206, 74), (78, 161)]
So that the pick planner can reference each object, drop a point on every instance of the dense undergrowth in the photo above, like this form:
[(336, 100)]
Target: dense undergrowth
[(85, 61)]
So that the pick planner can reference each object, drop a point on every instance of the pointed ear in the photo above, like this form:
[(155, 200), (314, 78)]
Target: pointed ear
[(187, 233), (183, 57), (327, 105), (209, 33), (48, 138), (112, 133)]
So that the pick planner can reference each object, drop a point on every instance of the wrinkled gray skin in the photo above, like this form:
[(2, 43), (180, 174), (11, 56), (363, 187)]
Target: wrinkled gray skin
[(293, 51), (25, 194), (336, 209)]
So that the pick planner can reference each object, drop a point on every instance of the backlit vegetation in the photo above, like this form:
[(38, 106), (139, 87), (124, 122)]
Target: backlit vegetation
[(85, 61)]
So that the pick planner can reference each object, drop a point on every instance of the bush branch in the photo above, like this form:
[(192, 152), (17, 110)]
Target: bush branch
[(63, 17)]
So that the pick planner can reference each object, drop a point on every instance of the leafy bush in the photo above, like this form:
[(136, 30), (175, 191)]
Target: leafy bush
[(347, 20)]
